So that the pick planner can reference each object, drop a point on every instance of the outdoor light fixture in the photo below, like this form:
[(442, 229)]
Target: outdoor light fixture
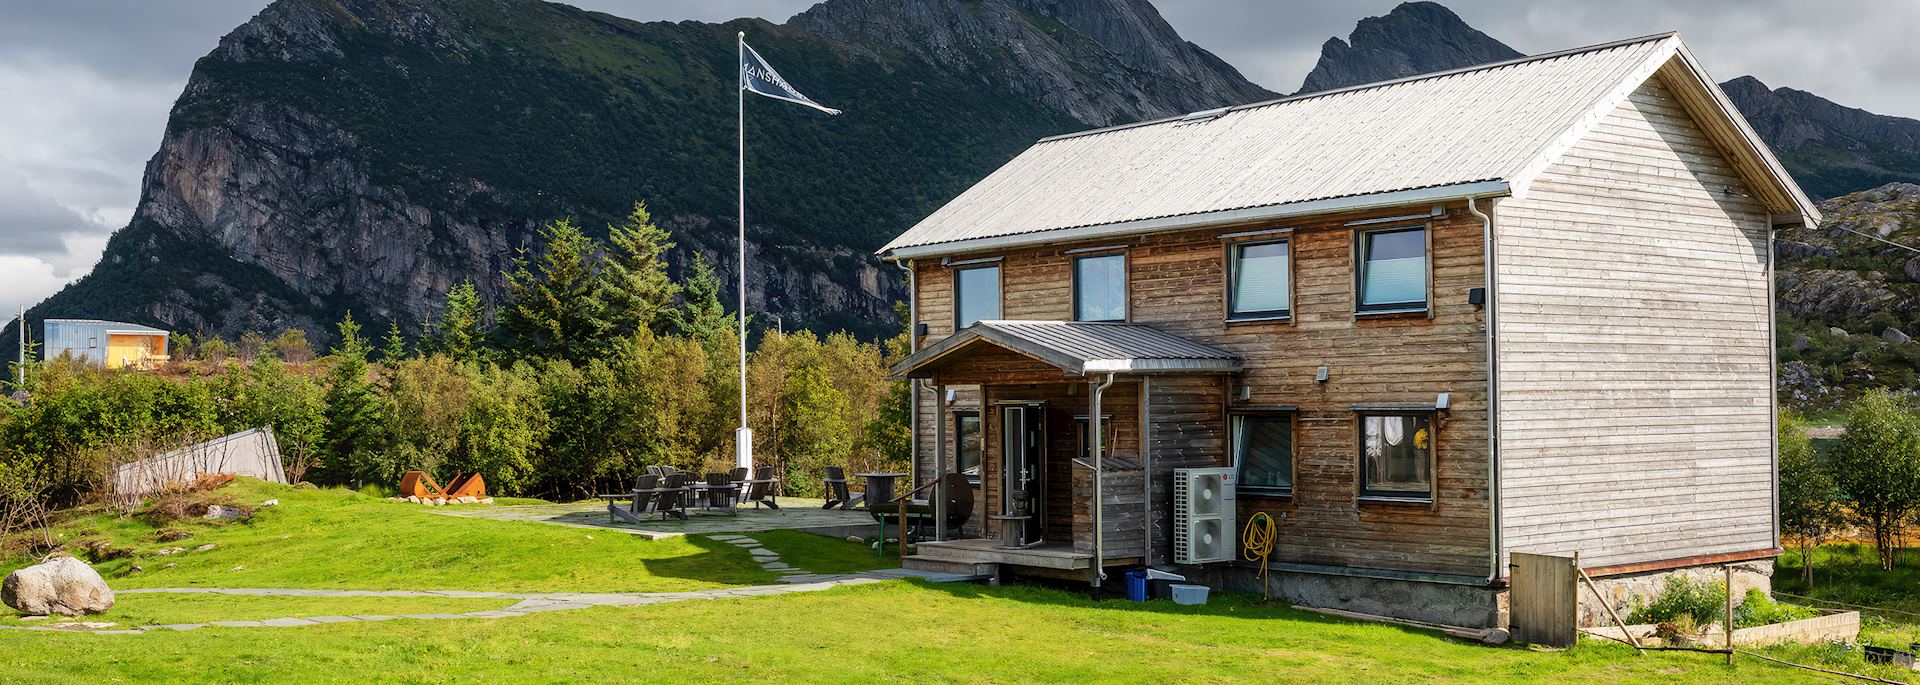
[(1246, 392), (951, 393), (1443, 401), (1475, 297), (1320, 375)]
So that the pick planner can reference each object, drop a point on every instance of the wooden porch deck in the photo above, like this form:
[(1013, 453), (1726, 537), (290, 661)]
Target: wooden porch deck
[(1058, 556)]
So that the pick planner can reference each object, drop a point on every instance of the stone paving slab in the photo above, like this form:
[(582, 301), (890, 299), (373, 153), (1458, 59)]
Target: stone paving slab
[(795, 513)]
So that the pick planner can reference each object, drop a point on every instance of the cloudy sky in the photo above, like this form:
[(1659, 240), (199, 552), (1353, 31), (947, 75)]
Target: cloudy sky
[(85, 85)]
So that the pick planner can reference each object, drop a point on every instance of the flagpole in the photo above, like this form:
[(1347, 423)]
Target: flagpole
[(743, 449)]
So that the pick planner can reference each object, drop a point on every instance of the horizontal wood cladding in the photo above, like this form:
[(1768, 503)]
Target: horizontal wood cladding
[(1635, 348), (1177, 283)]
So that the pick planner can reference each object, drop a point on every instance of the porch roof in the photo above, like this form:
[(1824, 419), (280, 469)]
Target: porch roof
[(1079, 348)]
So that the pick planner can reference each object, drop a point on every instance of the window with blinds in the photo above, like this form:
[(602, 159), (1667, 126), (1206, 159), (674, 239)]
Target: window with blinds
[(1261, 281), (1393, 270)]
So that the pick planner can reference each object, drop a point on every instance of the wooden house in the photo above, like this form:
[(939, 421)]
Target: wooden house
[(1525, 306), (111, 344)]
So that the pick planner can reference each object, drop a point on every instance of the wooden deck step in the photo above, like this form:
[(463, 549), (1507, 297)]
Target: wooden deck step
[(984, 552), (921, 562)]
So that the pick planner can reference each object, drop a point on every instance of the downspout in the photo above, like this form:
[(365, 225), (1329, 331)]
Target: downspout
[(1095, 441), (913, 344), (1493, 392), (1773, 383)]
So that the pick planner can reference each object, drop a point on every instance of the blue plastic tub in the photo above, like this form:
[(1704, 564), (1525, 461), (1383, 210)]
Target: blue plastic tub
[(1137, 586)]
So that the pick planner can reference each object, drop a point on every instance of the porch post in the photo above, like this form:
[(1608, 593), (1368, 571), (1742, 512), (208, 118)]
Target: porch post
[(939, 463)]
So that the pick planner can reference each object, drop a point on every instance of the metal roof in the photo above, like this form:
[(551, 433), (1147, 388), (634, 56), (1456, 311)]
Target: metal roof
[(1474, 131), (109, 326), (1082, 347)]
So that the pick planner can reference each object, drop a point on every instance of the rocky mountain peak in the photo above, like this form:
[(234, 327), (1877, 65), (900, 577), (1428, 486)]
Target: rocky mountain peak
[(1414, 38), (1099, 61)]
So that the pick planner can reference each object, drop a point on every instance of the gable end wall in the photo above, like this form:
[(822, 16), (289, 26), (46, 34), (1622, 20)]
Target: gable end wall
[(1635, 349)]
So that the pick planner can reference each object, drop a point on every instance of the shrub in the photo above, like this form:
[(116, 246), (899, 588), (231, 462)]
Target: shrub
[(1878, 466), (1757, 609), (1700, 601)]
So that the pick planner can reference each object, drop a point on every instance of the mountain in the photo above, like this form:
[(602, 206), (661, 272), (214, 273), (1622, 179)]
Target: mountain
[(1848, 298), (368, 155), (1414, 38), (1830, 149)]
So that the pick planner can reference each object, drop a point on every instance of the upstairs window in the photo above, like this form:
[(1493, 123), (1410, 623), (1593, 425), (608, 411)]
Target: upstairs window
[(976, 295), (1261, 276), (1396, 456), (1393, 270), (1100, 288), (1263, 452)]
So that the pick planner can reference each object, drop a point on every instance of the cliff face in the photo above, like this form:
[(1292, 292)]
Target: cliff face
[(1832, 149), (370, 154), (1414, 38)]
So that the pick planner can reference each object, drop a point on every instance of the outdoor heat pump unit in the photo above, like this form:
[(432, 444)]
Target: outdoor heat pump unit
[(1203, 516)]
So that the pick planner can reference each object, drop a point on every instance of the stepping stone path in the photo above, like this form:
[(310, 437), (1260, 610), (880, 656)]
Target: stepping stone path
[(791, 580)]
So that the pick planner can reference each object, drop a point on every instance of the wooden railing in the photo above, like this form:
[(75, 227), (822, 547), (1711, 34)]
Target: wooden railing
[(900, 510)]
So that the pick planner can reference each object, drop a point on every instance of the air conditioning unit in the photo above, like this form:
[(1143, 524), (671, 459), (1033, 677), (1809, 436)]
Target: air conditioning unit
[(1203, 516)]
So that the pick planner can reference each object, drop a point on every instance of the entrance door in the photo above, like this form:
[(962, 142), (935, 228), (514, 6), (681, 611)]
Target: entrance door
[(1023, 474)]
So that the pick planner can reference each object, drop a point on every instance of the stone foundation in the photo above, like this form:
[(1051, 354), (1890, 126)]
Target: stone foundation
[(1627, 591)]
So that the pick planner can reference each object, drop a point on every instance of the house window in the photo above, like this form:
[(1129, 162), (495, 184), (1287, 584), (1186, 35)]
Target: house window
[(966, 445), (1393, 270), (1082, 431), (976, 295), (1261, 277), (1100, 288), (1396, 456), (1263, 452)]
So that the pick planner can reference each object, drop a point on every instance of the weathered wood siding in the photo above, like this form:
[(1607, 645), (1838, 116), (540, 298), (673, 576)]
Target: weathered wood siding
[(1177, 283), (1634, 340)]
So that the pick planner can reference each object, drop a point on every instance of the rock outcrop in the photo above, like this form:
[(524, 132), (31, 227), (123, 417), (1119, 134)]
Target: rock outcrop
[(62, 585), (1415, 38)]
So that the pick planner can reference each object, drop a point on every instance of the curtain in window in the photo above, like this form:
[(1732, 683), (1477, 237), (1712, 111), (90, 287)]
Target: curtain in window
[(1261, 279), (1395, 271), (1396, 452)]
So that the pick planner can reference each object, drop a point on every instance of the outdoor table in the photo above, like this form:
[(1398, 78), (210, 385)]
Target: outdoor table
[(879, 487)]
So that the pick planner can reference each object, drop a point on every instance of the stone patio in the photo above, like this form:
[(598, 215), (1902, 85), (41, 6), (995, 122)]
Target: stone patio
[(796, 513)]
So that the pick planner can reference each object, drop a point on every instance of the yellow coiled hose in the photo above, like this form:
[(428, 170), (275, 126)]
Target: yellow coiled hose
[(1256, 542)]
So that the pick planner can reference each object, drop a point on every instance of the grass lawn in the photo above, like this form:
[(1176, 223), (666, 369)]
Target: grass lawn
[(888, 632), (338, 539), (131, 611), (820, 554)]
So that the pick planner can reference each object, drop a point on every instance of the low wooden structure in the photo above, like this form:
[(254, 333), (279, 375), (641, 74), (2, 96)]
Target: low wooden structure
[(1523, 307)]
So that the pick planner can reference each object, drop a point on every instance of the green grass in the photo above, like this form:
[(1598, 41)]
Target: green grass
[(161, 609), (336, 539), (821, 554), (1850, 572), (885, 633)]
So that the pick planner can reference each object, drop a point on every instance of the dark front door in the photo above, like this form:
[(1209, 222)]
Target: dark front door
[(1023, 478)]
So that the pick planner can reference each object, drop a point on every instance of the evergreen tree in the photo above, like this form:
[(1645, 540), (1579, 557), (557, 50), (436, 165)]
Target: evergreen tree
[(353, 434), (395, 348), (458, 332), (701, 315), (554, 309), (633, 283)]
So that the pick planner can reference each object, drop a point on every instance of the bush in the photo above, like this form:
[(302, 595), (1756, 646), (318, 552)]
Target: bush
[(1699, 601), (1757, 609)]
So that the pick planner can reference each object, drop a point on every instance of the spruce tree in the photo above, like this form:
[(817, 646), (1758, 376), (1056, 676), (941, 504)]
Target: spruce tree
[(701, 315), (633, 283), (395, 348), (554, 309), (458, 332), (353, 429)]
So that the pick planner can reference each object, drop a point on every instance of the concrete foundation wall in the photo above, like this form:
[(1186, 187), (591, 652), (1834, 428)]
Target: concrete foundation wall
[(1468, 606)]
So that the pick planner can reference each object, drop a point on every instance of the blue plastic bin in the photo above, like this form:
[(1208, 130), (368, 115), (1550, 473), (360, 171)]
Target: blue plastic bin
[(1137, 586)]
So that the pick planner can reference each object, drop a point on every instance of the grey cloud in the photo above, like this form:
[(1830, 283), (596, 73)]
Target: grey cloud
[(34, 224)]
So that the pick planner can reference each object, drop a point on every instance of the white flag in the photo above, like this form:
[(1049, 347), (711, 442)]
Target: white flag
[(758, 77)]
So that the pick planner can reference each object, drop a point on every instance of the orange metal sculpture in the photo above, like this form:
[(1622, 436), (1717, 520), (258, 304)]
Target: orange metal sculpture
[(419, 484)]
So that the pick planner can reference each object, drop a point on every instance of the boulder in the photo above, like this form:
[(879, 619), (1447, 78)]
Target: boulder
[(63, 585), (223, 512), (270, 503), (1894, 336)]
